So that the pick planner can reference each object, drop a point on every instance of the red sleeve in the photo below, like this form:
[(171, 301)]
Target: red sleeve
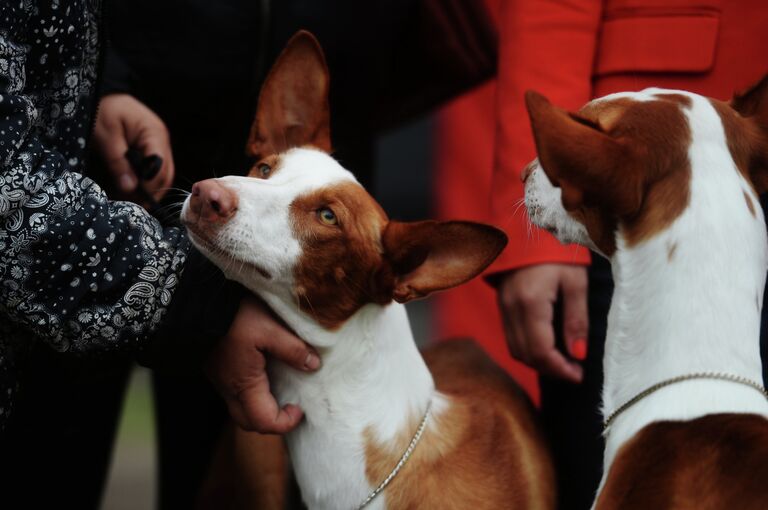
[(548, 46)]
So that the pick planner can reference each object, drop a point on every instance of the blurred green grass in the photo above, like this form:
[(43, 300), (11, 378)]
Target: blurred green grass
[(131, 483), (137, 421)]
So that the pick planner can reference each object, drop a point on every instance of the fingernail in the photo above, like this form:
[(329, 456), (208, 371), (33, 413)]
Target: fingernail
[(579, 349), (312, 362), (127, 182)]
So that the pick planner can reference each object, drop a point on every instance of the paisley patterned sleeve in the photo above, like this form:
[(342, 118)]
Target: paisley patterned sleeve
[(79, 271)]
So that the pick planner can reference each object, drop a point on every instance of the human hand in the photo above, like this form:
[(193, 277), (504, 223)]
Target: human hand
[(237, 368), (526, 299), (124, 122)]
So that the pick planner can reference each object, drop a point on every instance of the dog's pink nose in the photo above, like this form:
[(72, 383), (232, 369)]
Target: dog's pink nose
[(212, 201)]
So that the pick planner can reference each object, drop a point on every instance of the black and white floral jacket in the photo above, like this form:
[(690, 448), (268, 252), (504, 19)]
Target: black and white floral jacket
[(78, 271)]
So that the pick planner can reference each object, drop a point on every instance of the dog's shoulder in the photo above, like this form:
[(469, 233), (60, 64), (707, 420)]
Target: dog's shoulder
[(489, 428), (461, 365)]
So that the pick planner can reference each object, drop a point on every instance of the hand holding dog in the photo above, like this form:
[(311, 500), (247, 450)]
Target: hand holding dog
[(526, 298), (124, 122), (237, 367)]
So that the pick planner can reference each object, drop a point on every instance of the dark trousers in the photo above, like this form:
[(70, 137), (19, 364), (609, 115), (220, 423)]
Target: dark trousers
[(57, 449), (190, 418), (571, 413)]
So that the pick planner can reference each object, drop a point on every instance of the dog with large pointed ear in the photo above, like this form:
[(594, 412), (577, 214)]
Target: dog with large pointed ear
[(592, 171), (315, 225), (581, 158), (609, 166), (293, 106), (621, 163)]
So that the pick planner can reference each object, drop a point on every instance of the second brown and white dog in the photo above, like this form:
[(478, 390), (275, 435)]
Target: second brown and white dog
[(665, 184), (300, 232)]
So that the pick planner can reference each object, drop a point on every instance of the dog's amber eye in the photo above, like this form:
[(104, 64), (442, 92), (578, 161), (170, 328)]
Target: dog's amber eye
[(264, 170), (327, 216)]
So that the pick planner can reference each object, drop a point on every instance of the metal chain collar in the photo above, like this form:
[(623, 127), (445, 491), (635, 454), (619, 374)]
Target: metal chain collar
[(401, 462), (681, 378)]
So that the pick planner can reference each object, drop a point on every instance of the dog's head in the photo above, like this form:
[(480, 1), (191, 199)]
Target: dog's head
[(623, 168), (300, 226)]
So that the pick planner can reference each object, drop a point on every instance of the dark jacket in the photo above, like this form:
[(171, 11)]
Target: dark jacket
[(199, 65), (79, 272)]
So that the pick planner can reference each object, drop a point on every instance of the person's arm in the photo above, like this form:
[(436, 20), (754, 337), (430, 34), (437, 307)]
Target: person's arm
[(80, 272), (548, 46), (87, 275)]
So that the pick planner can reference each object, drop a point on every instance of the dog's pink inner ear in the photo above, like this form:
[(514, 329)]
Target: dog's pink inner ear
[(293, 106), (428, 256), (581, 159)]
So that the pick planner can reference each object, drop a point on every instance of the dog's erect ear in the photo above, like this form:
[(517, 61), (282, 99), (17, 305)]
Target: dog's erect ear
[(752, 104), (293, 105), (428, 256), (581, 159), (753, 101)]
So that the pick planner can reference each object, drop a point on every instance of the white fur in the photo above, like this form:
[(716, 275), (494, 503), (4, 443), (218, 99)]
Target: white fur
[(372, 377), (544, 204), (699, 312)]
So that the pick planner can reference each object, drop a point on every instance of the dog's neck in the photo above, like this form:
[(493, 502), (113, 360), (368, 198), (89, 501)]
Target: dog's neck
[(688, 300), (373, 381)]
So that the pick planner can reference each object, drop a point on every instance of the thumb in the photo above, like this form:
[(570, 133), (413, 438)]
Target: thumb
[(113, 145)]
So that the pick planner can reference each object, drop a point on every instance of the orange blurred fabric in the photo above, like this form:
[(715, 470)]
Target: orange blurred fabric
[(572, 51), (463, 172)]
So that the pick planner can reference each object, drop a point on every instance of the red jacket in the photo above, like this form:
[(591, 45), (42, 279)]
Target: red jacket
[(573, 51)]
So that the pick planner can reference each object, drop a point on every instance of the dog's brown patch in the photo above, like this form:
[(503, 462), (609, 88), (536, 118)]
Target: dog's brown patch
[(746, 142), (681, 99), (737, 135), (752, 135), (750, 205), (365, 258), (710, 463), (483, 453), (659, 134), (339, 264), (600, 227), (671, 249), (605, 114), (247, 470)]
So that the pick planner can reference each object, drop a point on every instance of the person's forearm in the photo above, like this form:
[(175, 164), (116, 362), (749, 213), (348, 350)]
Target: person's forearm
[(79, 271)]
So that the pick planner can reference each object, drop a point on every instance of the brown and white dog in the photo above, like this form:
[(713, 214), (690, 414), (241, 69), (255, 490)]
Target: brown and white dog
[(665, 184), (300, 232)]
